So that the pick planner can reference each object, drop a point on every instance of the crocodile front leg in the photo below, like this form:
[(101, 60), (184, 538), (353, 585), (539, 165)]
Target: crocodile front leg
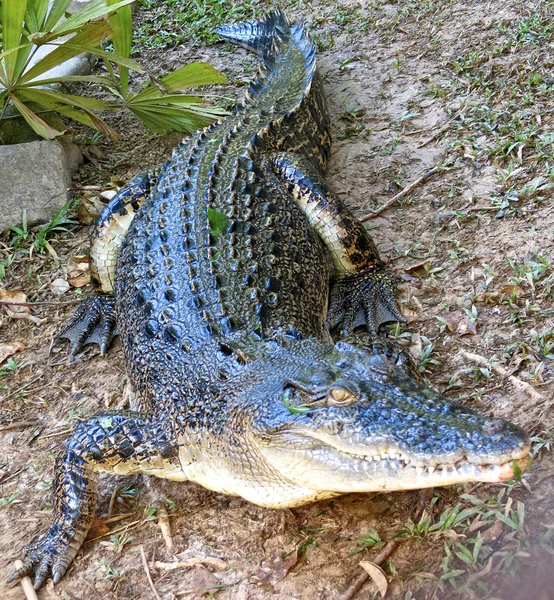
[(114, 442), (363, 290), (95, 320)]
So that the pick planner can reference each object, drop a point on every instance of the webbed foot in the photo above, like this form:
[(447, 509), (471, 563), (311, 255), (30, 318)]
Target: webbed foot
[(93, 323), (364, 298)]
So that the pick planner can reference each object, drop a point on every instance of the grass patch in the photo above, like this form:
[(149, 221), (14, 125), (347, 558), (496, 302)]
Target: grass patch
[(164, 23)]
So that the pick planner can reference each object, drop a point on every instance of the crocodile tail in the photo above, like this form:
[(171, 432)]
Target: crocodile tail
[(264, 37)]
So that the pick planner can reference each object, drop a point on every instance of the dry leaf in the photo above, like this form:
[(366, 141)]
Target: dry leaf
[(377, 575), (108, 194), (458, 322), (97, 529), (411, 315), (420, 266), (14, 310), (78, 271), (202, 581), (406, 277), (275, 570), (59, 286), (492, 533), (80, 280), (452, 319), (7, 350), (467, 326), (424, 575), (89, 210), (512, 290), (78, 262), (15, 296)]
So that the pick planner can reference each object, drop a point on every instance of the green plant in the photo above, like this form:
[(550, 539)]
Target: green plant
[(368, 541), (20, 233), (166, 23), (108, 572), (12, 365), (121, 540), (56, 224), (10, 501), (29, 24), (429, 356)]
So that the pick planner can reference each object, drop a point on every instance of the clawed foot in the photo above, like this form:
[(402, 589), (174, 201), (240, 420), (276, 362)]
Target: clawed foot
[(365, 298), (48, 556), (92, 323)]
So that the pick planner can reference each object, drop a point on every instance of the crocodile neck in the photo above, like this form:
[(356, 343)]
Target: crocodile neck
[(191, 286)]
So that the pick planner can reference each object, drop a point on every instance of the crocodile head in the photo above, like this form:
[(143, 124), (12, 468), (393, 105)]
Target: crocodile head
[(347, 420)]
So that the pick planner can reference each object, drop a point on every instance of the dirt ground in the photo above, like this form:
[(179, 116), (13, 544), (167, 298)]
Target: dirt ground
[(464, 88)]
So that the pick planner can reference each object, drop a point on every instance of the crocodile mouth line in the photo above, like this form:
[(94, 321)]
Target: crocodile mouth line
[(496, 471)]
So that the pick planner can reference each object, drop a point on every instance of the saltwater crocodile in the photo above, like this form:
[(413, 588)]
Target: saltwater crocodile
[(225, 272)]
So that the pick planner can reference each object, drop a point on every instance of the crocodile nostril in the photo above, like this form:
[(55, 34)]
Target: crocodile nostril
[(493, 426)]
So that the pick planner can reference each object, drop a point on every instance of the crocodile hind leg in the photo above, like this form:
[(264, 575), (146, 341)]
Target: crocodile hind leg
[(121, 443), (363, 292), (95, 321)]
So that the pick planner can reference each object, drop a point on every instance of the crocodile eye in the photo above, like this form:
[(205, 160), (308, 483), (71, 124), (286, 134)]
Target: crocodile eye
[(338, 396)]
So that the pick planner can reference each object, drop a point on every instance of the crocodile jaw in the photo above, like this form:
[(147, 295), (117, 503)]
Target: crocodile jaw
[(325, 467)]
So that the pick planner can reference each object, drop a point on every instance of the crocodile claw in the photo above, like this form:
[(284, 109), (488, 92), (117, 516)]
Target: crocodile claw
[(46, 557), (92, 323), (365, 298)]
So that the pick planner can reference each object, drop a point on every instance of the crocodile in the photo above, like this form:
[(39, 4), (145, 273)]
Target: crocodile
[(249, 302)]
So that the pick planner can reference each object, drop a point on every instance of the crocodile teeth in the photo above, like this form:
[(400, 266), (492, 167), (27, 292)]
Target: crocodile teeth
[(431, 470), (419, 471)]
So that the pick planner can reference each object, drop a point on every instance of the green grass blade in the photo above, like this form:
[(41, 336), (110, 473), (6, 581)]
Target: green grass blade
[(56, 12), (106, 81), (193, 75), (91, 35), (90, 119), (122, 29), (163, 119), (93, 10), (114, 57), (34, 121), (52, 99), (13, 15), (36, 15), (159, 100)]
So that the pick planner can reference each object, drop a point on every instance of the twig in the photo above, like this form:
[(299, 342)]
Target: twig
[(41, 303), (26, 584), (10, 477), (115, 493), (147, 571), (127, 527), (23, 387), (446, 126), (184, 564), (165, 528), (385, 552), (57, 433), (520, 385), (401, 194), (18, 424), (478, 208), (118, 518)]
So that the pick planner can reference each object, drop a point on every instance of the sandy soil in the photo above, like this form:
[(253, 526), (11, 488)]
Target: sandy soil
[(400, 106)]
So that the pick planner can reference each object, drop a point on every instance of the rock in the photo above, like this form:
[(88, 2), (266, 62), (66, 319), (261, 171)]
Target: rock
[(36, 177)]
